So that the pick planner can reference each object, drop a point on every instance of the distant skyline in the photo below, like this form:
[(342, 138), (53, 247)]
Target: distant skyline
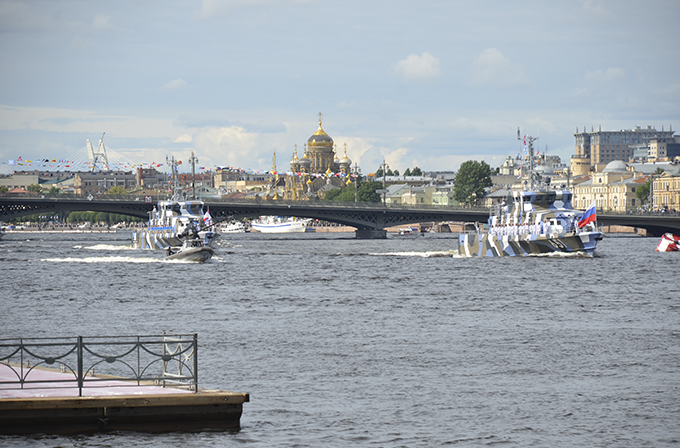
[(431, 84)]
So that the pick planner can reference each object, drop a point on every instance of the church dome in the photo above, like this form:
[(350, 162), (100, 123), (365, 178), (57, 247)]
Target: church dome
[(305, 161), (345, 161), (615, 166), (320, 138)]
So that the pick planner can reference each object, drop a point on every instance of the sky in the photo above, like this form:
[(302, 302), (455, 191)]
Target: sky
[(429, 84)]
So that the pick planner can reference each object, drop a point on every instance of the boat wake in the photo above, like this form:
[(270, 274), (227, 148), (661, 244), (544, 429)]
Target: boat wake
[(429, 254), (104, 247), (104, 260)]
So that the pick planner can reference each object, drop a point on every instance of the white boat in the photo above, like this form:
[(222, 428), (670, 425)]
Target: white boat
[(410, 231), (232, 227), (171, 222), (280, 224)]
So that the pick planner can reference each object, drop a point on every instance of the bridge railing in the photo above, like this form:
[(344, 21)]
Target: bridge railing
[(99, 361), (260, 201)]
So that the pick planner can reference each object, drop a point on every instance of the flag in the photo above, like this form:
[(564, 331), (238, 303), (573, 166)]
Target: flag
[(207, 219), (588, 216)]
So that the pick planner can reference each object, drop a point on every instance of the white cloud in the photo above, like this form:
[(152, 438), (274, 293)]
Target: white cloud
[(185, 138), (600, 82), (212, 8), (101, 22), (605, 76), (492, 68), (175, 85), (418, 68)]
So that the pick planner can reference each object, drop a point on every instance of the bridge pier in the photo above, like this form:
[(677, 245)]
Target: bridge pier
[(371, 234)]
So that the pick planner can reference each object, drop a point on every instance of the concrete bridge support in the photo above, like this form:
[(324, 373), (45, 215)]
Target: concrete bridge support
[(371, 234)]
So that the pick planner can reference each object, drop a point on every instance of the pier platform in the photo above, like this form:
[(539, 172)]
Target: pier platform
[(111, 405), (142, 383)]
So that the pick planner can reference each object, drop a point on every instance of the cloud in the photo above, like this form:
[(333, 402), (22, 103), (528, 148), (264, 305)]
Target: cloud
[(600, 82), (212, 8), (175, 85), (185, 138), (606, 76), (418, 68), (101, 23), (492, 68)]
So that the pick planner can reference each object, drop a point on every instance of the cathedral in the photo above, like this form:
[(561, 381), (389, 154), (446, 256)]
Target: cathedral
[(319, 167)]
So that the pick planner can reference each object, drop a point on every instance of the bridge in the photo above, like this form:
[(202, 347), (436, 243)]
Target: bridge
[(370, 219)]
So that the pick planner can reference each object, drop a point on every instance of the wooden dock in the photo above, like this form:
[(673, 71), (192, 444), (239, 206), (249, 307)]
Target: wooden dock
[(110, 405)]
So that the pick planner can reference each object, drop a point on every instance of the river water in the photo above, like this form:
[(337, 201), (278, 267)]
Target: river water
[(380, 343)]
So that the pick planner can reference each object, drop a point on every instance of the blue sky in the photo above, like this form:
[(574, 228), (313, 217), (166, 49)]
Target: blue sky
[(429, 84)]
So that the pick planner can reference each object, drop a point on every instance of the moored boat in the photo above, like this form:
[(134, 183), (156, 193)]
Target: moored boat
[(280, 224), (232, 227)]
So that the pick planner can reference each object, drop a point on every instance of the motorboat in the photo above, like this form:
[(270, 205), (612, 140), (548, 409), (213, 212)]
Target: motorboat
[(192, 250), (669, 243), (280, 224)]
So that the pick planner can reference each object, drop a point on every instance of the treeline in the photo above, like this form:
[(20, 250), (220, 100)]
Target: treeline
[(409, 172), (365, 193), (78, 217)]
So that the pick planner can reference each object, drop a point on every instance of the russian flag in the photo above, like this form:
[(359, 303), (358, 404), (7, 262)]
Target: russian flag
[(588, 216), (207, 219)]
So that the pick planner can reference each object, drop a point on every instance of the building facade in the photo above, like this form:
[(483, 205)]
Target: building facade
[(666, 192), (598, 148)]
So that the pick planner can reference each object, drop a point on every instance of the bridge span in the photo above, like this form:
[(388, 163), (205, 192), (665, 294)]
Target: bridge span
[(370, 219)]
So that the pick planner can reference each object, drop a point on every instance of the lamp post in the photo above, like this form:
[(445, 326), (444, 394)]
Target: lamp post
[(384, 167), (357, 172)]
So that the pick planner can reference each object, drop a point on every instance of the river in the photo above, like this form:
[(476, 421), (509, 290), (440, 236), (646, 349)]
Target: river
[(378, 343)]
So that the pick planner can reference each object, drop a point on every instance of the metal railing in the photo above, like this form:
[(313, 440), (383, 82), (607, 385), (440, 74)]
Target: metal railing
[(117, 360)]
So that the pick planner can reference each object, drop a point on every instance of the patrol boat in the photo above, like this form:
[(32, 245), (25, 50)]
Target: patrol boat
[(171, 222), (532, 222), (174, 220)]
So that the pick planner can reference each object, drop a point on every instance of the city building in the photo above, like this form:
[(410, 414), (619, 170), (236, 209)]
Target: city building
[(666, 192), (595, 149), (613, 189)]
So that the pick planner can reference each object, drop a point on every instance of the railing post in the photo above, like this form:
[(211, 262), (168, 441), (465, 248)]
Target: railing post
[(80, 366), (196, 362)]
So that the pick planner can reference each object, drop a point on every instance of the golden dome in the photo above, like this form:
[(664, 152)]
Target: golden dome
[(320, 138)]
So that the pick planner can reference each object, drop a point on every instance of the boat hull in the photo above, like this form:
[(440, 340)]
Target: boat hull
[(163, 239), (280, 226), (485, 245), (194, 254)]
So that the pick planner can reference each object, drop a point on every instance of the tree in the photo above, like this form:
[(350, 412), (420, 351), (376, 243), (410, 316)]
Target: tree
[(54, 190), (407, 172), (116, 190), (35, 188), (642, 192), (396, 172), (379, 173), (416, 171), (365, 193), (3, 189), (472, 178)]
